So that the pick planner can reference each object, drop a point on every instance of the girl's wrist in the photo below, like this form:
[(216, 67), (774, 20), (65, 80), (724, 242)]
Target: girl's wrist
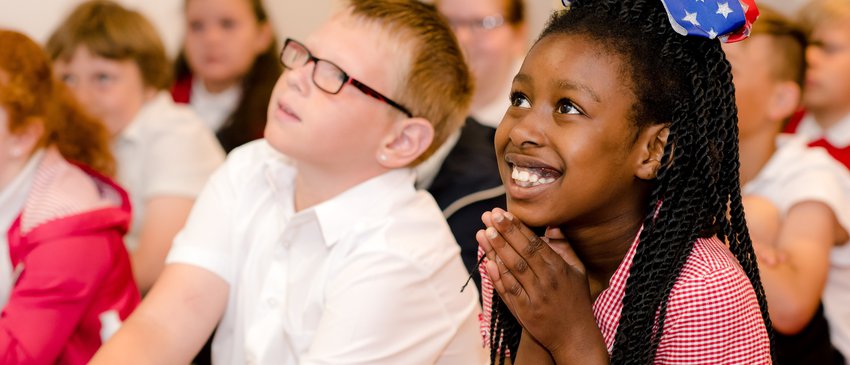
[(585, 345)]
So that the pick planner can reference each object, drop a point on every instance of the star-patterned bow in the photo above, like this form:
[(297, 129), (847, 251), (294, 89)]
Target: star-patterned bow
[(728, 20)]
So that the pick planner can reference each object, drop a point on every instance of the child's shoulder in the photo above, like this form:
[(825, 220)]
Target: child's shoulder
[(162, 114), (709, 257)]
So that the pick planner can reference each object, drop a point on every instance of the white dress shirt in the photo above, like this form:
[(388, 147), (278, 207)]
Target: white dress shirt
[(371, 276), (214, 108), (838, 135), (166, 151)]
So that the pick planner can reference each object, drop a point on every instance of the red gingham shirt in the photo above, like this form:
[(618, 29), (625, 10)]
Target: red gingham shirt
[(713, 315)]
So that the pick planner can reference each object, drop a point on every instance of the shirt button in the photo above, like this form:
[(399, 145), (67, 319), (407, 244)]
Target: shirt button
[(272, 302)]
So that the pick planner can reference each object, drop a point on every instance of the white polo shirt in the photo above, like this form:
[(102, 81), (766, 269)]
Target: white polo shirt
[(797, 173), (166, 151), (371, 276)]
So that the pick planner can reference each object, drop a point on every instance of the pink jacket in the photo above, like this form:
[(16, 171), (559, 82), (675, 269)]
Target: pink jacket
[(70, 264)]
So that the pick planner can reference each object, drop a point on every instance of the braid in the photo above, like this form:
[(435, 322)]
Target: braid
[(685, 81), (505, 332)]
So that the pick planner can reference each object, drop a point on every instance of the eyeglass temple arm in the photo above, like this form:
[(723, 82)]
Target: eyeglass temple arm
[(373, 93)]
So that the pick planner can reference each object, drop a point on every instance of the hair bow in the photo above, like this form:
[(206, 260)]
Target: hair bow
[(729, 20)]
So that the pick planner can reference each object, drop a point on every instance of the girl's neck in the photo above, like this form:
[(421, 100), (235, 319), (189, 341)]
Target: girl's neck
[(218, 87), (602, 246), (755, 152)]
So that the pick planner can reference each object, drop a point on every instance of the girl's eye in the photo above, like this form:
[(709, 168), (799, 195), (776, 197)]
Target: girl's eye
[(103, 78), (68, 79), (228, 23), (566, 106), (196, 26), (519, 100)]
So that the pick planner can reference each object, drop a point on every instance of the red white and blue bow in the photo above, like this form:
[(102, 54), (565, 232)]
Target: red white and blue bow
[(729, 20)]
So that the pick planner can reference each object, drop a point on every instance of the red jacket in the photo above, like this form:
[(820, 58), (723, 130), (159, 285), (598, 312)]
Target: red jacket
[(71, 266)]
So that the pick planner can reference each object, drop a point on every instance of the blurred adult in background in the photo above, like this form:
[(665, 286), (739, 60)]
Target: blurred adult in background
[(463, 175), (493, 36)]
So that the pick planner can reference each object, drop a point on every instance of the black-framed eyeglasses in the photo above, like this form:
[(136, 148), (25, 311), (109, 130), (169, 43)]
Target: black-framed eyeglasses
[(327, 76)]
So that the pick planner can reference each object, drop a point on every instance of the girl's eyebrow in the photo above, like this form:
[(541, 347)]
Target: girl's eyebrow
[(571, 85)]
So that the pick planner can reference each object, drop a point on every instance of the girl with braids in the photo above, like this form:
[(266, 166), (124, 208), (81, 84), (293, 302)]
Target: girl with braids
[(621, 145), (65, 277)]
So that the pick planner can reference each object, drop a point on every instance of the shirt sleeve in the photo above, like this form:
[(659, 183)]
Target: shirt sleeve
[(382, 309), (59, 282), (181, 158), (206, 239), (714, 319), (819, 184)]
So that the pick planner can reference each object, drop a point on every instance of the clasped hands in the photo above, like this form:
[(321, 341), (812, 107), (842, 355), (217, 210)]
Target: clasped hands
[(543, 283)]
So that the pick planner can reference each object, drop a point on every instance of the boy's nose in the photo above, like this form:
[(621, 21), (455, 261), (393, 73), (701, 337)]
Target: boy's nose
[(299, 78)]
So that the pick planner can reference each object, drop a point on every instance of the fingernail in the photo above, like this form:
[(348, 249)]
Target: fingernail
[(491, 233), (509, 216), (498, 217)]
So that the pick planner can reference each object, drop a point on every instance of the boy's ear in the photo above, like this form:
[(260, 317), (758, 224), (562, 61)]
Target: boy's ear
[(408, 139), (784, 100), (650, 144)]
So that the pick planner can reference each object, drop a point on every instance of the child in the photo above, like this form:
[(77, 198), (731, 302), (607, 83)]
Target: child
[(228, 67), (65, 278), (807, 188), (312, 246), (827, 93), (621, 143), (113, 60)]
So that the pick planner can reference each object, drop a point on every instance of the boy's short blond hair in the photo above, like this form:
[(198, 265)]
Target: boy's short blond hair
[(819, 12), (111, 31), (437, 85), (788, 41)]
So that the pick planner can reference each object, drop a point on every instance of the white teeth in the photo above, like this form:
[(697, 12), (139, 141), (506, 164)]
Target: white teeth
[(527, 178)]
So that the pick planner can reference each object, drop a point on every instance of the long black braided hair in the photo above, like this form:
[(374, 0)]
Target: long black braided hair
[(686, 82)]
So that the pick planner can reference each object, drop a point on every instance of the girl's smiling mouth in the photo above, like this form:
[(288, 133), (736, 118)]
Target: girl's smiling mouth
[(527, 172)]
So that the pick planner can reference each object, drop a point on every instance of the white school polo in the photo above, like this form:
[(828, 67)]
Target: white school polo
[(371, 276), (166, 151), (797, 173)]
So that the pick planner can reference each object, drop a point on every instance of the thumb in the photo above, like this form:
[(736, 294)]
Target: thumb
[(556, 240)]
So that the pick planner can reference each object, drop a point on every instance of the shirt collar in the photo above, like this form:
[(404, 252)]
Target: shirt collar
[(371, 199), (132, 131), (838, 135), (364, 203)]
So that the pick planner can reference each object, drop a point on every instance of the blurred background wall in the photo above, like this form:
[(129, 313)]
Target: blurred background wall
[(292, 18)]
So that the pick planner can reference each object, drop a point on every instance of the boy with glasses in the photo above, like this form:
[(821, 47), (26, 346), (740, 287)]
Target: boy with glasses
[(312, 246)]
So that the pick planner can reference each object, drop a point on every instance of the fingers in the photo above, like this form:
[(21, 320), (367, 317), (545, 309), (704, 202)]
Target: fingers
[(532, 249)]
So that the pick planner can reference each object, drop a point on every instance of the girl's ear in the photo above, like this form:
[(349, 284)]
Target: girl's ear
[(650, 144), (408, 139)]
